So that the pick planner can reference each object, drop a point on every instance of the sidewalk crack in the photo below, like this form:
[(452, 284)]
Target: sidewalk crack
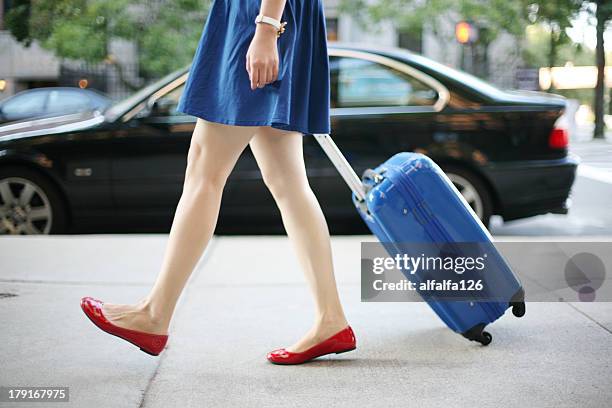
[(195, 273), (588, 317)]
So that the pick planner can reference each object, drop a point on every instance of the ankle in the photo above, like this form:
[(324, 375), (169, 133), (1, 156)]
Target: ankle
[(331, 319), (152, 312)]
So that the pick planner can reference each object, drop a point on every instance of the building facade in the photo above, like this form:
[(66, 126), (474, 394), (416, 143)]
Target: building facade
[(20, 67), (23, 68)]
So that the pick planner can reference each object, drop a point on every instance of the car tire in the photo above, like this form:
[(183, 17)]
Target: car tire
[(473, 189), (44, 212)]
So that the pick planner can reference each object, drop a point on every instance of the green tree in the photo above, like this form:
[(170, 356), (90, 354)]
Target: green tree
[(166, 32), (556, 16), (16, 20), (492, 17), (603, 16), (537, 47)]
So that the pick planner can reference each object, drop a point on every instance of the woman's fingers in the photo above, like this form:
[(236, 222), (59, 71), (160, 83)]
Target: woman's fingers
[(260, 72), (275, 70), (255, 74), (255, 77), (269, 69)]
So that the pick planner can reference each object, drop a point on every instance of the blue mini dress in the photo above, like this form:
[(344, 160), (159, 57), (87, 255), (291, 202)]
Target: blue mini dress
[(218, 86)]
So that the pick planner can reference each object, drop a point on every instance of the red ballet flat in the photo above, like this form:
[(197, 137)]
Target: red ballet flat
[(340, 342), (150, 343)]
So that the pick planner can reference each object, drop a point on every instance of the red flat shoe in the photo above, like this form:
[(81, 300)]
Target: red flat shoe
[(340, 342), (150, 343)]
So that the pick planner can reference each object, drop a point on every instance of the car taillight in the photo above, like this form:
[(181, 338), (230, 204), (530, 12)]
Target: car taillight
[(558, 139)]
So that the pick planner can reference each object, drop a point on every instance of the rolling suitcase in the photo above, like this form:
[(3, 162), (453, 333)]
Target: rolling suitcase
[(409, 199)]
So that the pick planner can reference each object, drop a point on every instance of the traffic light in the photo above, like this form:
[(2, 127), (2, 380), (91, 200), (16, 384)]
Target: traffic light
[(465, 32)]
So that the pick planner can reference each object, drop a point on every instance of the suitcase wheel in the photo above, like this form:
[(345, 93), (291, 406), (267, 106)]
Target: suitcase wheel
[(485, 338), (478, 334), (517, 303), (518, 309)]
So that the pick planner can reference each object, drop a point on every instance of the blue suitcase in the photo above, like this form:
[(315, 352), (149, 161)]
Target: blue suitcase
[(409, 199)]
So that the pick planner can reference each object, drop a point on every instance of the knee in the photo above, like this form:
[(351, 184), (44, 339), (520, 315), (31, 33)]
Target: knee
[(200, 175), (283, 186)]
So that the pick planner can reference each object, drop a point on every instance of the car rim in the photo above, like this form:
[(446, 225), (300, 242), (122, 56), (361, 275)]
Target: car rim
[(24, 208), (469, 192)]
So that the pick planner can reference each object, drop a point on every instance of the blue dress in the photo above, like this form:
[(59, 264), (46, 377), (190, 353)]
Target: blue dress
[(218, 86)]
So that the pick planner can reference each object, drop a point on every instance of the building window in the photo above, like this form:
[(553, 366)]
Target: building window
[(331, 25), (411, 40)]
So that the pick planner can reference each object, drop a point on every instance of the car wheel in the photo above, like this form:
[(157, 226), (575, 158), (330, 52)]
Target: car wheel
[(473, 190), (29, 203)]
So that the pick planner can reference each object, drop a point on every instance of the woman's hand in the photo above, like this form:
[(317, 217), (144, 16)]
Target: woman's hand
[(262, 56)]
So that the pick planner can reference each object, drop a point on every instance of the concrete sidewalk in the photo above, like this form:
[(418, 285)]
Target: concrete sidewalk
[(246, 297)]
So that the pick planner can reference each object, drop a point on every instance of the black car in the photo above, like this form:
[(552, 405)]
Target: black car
[(51, 101), (123, 170)]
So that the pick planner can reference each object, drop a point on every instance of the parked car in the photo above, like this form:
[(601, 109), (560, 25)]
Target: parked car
[(123, 170), (52, 101)]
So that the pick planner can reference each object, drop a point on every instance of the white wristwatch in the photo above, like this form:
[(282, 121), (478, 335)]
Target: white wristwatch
[(268, 20), (280, 27)]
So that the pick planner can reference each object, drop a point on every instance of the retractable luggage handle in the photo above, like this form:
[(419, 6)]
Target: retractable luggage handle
[(342, 165)]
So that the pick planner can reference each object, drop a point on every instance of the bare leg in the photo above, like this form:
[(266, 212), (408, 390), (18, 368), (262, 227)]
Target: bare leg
[(280, 158), (213, 152)]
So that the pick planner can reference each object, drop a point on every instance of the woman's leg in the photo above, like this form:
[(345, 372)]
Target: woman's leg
[(280, 158), (213, 152)]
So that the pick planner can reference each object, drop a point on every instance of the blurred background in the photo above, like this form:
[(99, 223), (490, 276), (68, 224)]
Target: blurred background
[(117, 46), (68, 56)]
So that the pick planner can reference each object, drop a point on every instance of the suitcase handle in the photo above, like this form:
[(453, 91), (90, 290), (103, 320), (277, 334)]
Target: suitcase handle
[(341, 164), (373, 177), (370, 174)]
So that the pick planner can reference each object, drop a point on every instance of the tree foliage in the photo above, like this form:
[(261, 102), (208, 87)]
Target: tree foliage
[(491, 17), (602, 17), (165, 31), (556, 16), (411, 15), (17, 20)]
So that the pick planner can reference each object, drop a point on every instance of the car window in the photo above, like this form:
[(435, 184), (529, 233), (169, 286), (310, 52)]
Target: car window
[(62, 101), (166, 105), (124, 106), (361, 83), (24, 105)]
